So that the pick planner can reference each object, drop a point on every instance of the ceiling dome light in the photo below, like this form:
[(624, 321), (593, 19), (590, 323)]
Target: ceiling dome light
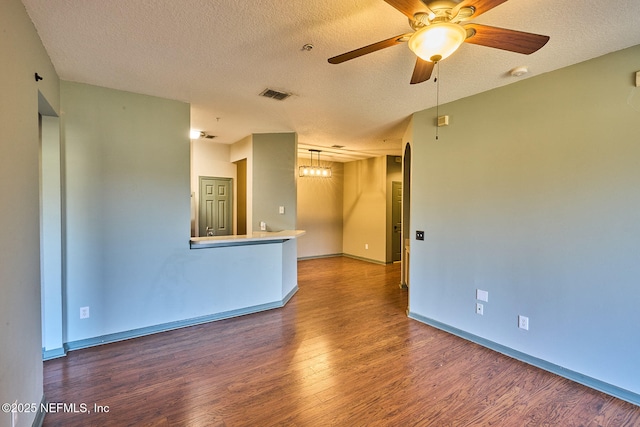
[(435, 42)]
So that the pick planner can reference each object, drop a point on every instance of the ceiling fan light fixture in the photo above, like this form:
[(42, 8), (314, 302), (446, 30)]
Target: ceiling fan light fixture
[(437, 41)]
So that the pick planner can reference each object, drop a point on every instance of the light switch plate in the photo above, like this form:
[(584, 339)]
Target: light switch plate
[(482, 295), (84, 312), (523, 322)]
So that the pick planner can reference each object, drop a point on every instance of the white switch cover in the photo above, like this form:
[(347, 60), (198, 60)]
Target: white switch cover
[(84, 312), (637, 78), (523, 322), (281, 210), (482, 295)]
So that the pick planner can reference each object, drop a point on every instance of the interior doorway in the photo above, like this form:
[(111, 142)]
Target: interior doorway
[(406, 214), (396, 220), (241, 196), (52, 290)]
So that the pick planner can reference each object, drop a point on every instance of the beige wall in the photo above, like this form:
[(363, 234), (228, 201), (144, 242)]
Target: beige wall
[(21, 55), (364, 209), (320, 213), (351, 213)]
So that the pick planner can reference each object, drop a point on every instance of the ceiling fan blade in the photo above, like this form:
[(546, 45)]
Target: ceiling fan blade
[(371, 48), (480, 6), (501, 38), (410, 7), (422, 71)]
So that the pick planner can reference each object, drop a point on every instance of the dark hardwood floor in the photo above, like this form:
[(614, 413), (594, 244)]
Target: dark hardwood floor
[(341, 353)]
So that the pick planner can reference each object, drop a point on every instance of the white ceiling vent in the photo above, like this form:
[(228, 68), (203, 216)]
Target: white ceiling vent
[(270, 93)]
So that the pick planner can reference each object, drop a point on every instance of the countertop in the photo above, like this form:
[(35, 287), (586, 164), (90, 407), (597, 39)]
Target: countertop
[(256, 238)]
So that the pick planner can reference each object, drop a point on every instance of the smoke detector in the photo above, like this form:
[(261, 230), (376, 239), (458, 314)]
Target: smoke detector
[(519, 71)]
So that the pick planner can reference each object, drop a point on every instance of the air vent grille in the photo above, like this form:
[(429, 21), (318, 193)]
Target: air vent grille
[(337, 146), (274, 94)]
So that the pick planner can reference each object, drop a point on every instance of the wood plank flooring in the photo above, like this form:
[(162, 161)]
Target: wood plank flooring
[(341, 353)]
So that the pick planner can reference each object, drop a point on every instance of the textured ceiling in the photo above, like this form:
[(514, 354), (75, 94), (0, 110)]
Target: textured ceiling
[(220, 55)]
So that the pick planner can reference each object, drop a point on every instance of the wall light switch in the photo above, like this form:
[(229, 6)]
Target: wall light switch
[(419, 235), (281, 210)]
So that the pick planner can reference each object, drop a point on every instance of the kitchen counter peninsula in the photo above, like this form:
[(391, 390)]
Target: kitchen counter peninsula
[(255, 238)]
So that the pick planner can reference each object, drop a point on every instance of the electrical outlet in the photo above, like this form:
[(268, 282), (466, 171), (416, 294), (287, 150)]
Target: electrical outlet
[(523, 322), (479, 309), (84, 312)]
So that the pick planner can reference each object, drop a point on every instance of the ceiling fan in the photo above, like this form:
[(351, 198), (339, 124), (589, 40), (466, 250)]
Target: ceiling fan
[(440, 27)]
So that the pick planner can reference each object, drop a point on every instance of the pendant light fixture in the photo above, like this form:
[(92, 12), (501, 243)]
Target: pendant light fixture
[(314, 171)]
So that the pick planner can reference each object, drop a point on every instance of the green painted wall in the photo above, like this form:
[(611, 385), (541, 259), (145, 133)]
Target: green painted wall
[(274, 180), (531, 193), (21, 55), (127, 198), (128, 207)]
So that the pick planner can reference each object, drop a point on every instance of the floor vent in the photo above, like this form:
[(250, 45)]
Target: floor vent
[(274, 94)]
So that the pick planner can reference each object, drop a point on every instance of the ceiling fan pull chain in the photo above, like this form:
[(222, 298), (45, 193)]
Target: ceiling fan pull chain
[(436, 80)]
